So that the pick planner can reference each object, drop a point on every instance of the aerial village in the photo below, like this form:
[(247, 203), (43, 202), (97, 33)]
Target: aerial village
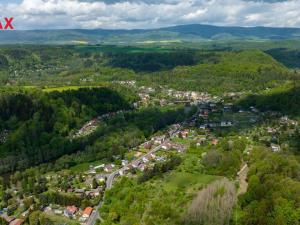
[(88, 184)]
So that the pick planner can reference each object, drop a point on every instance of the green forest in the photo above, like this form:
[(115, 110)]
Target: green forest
[(40, 123), (157, 134), (183, 69)]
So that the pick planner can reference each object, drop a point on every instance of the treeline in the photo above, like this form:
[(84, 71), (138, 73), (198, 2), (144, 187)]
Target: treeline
[(63, 199), (153, 61), (284, 99), (38, 218), (39, 123)]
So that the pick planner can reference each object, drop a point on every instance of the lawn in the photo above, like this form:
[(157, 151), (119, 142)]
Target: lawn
[(60, 219), (187, 181)]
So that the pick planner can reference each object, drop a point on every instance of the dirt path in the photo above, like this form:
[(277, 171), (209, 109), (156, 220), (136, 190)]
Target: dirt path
[(242, 177)]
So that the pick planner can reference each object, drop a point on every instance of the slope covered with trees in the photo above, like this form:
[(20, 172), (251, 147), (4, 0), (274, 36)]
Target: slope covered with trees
[(39, 124), (284, 99), (225, 71), (199, 70), (273, 195)]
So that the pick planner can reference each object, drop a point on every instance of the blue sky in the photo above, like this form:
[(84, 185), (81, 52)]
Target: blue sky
[(129, 14)]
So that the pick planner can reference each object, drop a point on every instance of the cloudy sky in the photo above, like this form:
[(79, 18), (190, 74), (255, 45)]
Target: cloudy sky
[(129, 14)]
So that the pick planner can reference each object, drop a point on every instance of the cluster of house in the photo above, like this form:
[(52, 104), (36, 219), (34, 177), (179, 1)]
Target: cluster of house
[(92, 125), (86, 79), (72, 212), (111, 114), (103, 167), (168, 145), (144, 94), (145, 98), (273, 131), (82, 192), (148, 160), (147, 90), (126, 82), (188, 95), (87, 189), (204, 112), (206, 109), (217, 124), (285, 120), (161, 142), (174, 96), (87, 128), (140, 164), (233, 95)]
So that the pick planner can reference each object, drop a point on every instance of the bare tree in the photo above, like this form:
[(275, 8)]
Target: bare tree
[(213, 205)]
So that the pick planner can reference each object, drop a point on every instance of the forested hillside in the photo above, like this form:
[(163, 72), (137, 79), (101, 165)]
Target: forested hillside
[(198, 70), (273, 191), (289, 57), (284, 99), (226, 71), (38, 124)]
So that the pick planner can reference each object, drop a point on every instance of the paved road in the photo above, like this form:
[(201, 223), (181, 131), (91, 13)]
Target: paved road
[(109, 182), (112, 176)]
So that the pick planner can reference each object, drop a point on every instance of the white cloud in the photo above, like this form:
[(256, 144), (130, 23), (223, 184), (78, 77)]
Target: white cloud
[(43, 14)]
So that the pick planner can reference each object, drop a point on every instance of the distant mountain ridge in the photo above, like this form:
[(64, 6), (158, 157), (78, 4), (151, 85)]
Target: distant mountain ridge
[(192, 32)]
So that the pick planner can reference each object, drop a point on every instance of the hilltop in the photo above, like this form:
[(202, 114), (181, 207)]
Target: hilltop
[(181, 33), (181, 69)]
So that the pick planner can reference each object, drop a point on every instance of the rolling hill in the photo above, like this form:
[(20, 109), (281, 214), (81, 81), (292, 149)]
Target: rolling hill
[(193, 32)]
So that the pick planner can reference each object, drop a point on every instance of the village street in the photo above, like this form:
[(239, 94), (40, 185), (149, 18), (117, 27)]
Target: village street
[(110, 179)]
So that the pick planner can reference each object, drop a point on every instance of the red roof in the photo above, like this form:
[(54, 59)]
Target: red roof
[(16, 222), (88, 211), (214, 141)]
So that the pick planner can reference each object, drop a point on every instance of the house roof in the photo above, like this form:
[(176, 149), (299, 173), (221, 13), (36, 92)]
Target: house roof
[(72, 209), (88, 211)]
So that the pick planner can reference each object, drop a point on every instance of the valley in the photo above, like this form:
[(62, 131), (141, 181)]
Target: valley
[(108, 134)]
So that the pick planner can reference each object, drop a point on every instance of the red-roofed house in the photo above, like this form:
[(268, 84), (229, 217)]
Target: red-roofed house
[(87, 212), (214, 142)]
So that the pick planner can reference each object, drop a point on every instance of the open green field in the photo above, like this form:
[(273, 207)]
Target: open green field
[(66, 88)]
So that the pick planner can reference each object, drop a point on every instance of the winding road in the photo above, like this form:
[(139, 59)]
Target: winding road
[(110, 179)]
